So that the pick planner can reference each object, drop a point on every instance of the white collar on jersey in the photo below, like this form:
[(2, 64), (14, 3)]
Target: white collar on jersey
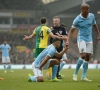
[(83, 17)]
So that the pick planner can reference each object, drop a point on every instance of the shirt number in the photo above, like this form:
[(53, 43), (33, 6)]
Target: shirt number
[(41, 34)]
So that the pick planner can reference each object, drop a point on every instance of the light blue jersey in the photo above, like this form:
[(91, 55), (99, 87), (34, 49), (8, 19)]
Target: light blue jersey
[(84, 25), (5, 50), (50, 51)]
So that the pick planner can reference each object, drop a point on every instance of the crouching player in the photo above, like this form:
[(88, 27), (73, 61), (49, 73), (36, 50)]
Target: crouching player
[(43, 61)]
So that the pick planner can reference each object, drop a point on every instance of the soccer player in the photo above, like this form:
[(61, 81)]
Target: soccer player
[(84, 22), (5, 49), (43, 61), (59, 29), (42, 33)]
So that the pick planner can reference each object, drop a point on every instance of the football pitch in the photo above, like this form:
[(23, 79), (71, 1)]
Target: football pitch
[(18, 81)]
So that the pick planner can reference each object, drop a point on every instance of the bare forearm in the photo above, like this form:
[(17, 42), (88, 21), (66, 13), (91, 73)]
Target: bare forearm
[(43, 63), (9, 49), (70, 33), (96, 29), (31, 36), (59, 55)]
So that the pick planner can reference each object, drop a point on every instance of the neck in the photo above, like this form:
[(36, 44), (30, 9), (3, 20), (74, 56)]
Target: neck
[(56, 25), (83, 15), (54, 45)]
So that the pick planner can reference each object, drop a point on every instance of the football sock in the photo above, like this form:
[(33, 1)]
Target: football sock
[(33, 78), (4, 67), (10, 66), (62, 64), (54, 71), (79, 63), (85, 68)]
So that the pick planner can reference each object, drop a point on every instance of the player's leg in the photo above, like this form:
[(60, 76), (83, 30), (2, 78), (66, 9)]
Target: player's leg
[(9, 64), (54, 64), (82, 50), (36, 53), (38, 76), (85, 63), (4, 64), (62, 63)]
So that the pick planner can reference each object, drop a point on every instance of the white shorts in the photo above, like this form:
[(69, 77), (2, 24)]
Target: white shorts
[(5, 59), (64, 57), (37, 71), (86, 47)]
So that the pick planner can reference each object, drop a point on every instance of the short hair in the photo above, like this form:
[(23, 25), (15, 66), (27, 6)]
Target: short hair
[(56, 17), (55, 39), (43, 20)]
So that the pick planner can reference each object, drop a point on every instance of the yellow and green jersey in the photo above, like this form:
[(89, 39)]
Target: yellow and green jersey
[(42, 35)]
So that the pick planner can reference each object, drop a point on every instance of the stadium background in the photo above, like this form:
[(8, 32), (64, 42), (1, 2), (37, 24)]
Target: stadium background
[(20, 17)]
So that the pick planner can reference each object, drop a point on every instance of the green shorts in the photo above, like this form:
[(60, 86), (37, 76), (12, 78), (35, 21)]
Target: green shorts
[(38, 51)]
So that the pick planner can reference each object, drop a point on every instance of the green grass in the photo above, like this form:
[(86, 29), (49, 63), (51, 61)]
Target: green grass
[(18, 81)]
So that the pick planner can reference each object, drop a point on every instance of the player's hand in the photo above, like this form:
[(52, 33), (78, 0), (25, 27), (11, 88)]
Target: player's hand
[(58, 34), (51, 28), (67, 45), (25, 37)]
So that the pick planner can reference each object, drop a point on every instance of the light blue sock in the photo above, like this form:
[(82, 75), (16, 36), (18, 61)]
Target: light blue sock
[(4, 67), (79, 63), (85, 68), (33, 78), (10, 66), (62, 64), (54, 71)]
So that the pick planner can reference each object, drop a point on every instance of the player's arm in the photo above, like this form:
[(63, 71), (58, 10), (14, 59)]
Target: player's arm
[(31, 36), (59, 55), (73, 27), (44, 61), (97, 31), (54, 36), (96, 28), (70, 33), (28, 37), (50, 54), (9, 48)]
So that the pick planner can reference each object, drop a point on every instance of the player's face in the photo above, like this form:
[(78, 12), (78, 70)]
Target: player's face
[(5, 42), (56, 21), (86, 10), (58, 44)]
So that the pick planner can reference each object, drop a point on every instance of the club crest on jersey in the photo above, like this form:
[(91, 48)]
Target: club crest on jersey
[(90, 18), (60, 32)]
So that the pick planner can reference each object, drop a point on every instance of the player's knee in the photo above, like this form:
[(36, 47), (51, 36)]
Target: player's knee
[(57, 62), (87, 57), (83, 55)]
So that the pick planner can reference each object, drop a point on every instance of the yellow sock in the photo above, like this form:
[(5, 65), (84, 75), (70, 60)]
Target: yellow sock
[(50, 71)]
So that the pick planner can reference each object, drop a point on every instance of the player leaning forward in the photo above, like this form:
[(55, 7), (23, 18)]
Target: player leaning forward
[(43, 61), (84, 23)]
